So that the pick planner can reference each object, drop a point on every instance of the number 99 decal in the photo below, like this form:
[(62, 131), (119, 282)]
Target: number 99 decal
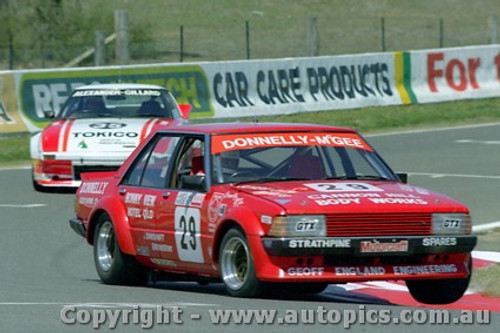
[(187, 234)]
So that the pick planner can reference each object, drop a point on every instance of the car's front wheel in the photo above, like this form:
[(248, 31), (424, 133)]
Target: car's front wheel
[(237, 266), (112, 265), (442, 291)]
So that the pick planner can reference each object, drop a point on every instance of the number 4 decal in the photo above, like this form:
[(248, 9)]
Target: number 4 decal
[(187, 234)]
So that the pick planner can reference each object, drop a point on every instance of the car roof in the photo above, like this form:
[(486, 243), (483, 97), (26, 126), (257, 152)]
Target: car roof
[(227, 128), (112, 86)]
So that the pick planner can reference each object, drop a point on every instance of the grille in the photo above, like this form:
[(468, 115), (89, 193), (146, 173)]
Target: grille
[(378, 224), (78, 169)]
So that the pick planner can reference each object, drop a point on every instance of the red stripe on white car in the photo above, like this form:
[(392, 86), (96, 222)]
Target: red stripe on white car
[(66, 132), (145, 131), (62, 135)]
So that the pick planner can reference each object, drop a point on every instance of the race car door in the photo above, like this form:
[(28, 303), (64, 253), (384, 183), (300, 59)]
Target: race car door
[(187, 228), (143, 193)]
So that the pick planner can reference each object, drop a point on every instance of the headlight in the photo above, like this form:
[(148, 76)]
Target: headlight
[(298, 226), (451, 224)]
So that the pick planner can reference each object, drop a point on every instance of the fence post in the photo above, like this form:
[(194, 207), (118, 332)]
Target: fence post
[(122, 37), (247, 38), (313, 37), (181, 41), (99, 54), (382, 27), (11, 51), (493, 25)]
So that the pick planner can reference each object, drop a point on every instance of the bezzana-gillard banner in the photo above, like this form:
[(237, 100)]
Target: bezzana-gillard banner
[(283, 86), (455, 73)]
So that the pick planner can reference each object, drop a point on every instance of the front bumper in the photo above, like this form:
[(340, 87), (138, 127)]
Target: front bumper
[(78, 226), (358, 259), (368, 246)]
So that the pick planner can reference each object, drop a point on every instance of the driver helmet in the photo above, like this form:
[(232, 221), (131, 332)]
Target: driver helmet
[(230, 161)]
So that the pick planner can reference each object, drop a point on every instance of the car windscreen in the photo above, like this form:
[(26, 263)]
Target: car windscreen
[(120, 103), (267, 157)]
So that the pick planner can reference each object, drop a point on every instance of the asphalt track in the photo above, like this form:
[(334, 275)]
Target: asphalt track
[(46, 266)]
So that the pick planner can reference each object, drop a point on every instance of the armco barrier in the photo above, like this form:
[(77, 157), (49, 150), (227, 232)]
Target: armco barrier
[(270, 87)]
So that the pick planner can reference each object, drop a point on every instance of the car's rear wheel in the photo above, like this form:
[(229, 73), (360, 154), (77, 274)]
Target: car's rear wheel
[(112, 265), (441, 291), (237, 266)]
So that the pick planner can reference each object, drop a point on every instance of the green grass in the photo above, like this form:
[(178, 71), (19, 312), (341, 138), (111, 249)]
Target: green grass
[(14, 150), (487, 280)]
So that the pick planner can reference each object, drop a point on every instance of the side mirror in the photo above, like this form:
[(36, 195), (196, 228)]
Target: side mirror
[(403, 177), (49, 113), (185, 110), (195, 183)]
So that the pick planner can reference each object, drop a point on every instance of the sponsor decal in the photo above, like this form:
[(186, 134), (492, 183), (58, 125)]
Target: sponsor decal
[(189, 199), (163, 262), (343, 187), (133, 198), (359, 271), (319, 243), (107, 125), (149, 236), (305, 226), (161, 247), (425, 269), (360, 198), (439, 241), (105, 134), (93, 187), (116, 92), (214, 207), (378, 247), (143, 250), (149, 200), (305, 271), (86, 201), (266, 219), (222, 143), (83, 145), (134, 212)]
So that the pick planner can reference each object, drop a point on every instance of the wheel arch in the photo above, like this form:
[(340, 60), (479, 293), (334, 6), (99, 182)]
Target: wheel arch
[(244, 219), (117, 213)]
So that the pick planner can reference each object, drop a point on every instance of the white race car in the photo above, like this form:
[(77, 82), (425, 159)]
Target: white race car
[(97, 129)]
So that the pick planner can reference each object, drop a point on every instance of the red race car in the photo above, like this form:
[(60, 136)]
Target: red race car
[(258, 204)]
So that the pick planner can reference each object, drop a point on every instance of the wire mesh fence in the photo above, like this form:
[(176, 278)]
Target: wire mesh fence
[(260, 38)]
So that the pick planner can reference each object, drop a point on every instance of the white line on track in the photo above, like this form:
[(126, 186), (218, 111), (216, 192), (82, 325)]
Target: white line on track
[(22, 206), (486, 226), (439, 129), (441, 175), (484, 142), (23, 167)]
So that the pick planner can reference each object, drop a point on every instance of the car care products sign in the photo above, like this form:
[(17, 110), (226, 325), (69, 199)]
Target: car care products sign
[(222, 143)]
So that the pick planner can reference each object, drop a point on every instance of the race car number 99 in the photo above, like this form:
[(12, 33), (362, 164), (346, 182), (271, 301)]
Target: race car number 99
[(187, 234)]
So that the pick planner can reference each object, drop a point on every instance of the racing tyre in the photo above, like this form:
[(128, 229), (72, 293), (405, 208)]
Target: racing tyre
[(112, 265), (443, 291), (236, 266)]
